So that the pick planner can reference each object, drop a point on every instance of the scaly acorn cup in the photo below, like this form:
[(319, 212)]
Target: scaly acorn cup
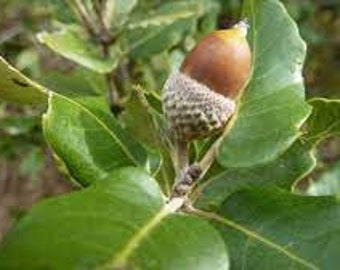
[(199, 99)]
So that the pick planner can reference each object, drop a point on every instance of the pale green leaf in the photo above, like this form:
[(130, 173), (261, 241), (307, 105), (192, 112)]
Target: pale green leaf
[(116, 12), (16, 87), (73, 44)]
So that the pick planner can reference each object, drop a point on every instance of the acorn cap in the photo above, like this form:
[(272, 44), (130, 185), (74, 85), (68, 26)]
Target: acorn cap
[(221, 60), (192, 109)]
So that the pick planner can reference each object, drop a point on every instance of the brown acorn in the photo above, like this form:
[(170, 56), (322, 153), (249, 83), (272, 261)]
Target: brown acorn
[(199, 99)]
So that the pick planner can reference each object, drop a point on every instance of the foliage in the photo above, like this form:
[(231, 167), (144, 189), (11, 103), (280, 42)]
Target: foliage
[(245, 214)]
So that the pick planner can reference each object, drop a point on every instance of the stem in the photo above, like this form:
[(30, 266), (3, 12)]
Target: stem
[(83, 16), (182, 159), (112, 90), (101, 34), (105, 37), (124, 76)]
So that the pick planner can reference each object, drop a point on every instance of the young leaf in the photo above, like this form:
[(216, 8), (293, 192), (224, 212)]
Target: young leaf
[(16, 87), (71, 43), (272, 229), (89, 141), (121, 223), (272, 107)]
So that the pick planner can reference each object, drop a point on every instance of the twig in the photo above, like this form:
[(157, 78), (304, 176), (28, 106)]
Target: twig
[(182, 159), (112, 91), (83, 16), (105, 37)]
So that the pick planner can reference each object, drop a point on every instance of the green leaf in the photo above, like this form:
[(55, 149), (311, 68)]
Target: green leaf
[(162, 19), (148, 127), (162, 29), (272, 107), (282, 172), (77, 83), (272, 229), (88, 140), (116, 12), (138, 118), (324, 120), (72, 43), (286, 170), (121, 223), (16, 87)]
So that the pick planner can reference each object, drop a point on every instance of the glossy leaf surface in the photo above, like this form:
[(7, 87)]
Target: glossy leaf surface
[(120, 223)]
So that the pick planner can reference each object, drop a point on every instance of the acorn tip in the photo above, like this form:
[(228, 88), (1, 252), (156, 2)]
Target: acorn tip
[(243, 26)]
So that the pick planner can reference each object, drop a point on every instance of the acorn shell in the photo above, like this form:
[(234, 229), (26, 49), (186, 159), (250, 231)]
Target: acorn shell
[(192, 109), (221, 61)]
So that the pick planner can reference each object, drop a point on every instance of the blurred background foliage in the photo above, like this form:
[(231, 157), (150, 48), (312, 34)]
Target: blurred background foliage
[(150, 39)]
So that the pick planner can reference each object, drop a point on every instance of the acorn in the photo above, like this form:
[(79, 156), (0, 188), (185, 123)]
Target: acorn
[(200, 97)]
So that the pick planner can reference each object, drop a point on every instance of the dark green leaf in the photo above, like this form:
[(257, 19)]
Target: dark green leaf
[(282, 172), (121, 223), (272, 107), (271, 229), (138, 118)]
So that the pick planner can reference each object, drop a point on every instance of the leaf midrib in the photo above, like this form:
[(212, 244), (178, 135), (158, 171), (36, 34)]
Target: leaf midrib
[(256, 236), (119, 260)]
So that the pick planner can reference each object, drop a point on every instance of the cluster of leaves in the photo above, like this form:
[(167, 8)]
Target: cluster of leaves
[(248, 215)]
